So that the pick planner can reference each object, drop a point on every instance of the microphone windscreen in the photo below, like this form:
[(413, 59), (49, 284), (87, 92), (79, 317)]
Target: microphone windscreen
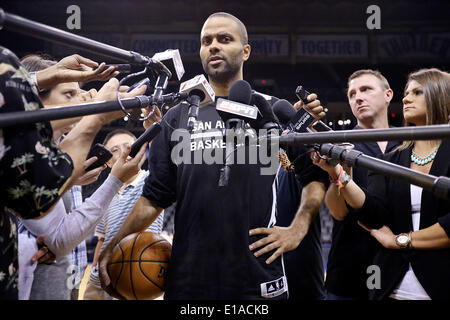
[(265, 109), (241, 92), (199, 93), (284, 111)]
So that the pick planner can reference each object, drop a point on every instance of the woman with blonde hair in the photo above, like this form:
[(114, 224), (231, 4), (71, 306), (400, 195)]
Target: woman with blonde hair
[(412, 225)]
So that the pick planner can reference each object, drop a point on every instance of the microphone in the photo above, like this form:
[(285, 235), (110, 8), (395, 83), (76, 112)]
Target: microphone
[(200, 94), (172, 60), (302, 94), (234, 112), (267, 119), (298, 121), (284, 112), (237, 106), (147, 136)]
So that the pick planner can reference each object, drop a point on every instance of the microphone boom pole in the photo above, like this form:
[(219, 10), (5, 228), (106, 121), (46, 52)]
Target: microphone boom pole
[(439, 186), (14, 119), (42, 31), (433, 132)]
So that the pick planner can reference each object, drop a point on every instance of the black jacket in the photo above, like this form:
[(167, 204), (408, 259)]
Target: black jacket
[(388, 202)]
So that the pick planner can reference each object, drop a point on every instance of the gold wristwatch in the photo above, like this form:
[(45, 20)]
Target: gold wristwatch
[(403, 240)]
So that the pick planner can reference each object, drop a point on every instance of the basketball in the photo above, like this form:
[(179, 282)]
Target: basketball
[(139, 265)]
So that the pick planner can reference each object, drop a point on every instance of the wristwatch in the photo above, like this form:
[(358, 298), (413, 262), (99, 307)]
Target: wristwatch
[(403, 240), (345, 179)]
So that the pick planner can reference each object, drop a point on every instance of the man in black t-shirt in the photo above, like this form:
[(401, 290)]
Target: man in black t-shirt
[(352, 248), (211, 258), (304, 265)]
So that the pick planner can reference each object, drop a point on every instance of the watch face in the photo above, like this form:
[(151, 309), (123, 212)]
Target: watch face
[(402, 239), (345, 178)]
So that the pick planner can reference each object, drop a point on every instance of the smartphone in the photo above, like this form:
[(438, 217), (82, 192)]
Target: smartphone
[(102, 155)]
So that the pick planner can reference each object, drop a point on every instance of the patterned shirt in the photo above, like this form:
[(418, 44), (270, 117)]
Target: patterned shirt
[(120, 207), (32, 169)]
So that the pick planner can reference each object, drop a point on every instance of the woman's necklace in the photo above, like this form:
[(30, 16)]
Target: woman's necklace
[(421, 161)]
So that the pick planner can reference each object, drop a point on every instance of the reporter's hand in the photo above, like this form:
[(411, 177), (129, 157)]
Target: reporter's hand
[(78, 68), (333, 171), (156, 117), (89, 176), (74, 68), (313, 106), (125, 169), (109, 93), (43, 255), (88, 96), (384, 236)]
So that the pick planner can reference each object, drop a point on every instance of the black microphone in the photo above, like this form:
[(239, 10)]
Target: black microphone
[(237, 106), (284, 111), (195, 97), (240, 91), (266, 118), (234, 112), (298, 121), (302, 94), (147, 136)]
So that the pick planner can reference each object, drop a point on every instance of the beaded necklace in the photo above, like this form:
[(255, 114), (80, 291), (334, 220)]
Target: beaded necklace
[(421, 161)]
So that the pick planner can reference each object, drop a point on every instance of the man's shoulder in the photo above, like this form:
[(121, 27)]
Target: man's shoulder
[(175, 110)]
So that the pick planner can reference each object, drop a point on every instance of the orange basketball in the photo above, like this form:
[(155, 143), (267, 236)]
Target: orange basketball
[(139, 265)]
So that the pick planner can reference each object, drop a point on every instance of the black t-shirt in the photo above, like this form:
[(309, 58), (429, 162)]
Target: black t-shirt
[(352, 247), (303, 265), (32, 169), (210, 254)]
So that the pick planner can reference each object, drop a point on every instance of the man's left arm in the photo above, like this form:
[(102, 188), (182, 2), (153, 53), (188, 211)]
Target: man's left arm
[(285, 239)]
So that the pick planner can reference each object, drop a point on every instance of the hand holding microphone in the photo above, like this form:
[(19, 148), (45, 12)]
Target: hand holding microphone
[(309, 102)]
